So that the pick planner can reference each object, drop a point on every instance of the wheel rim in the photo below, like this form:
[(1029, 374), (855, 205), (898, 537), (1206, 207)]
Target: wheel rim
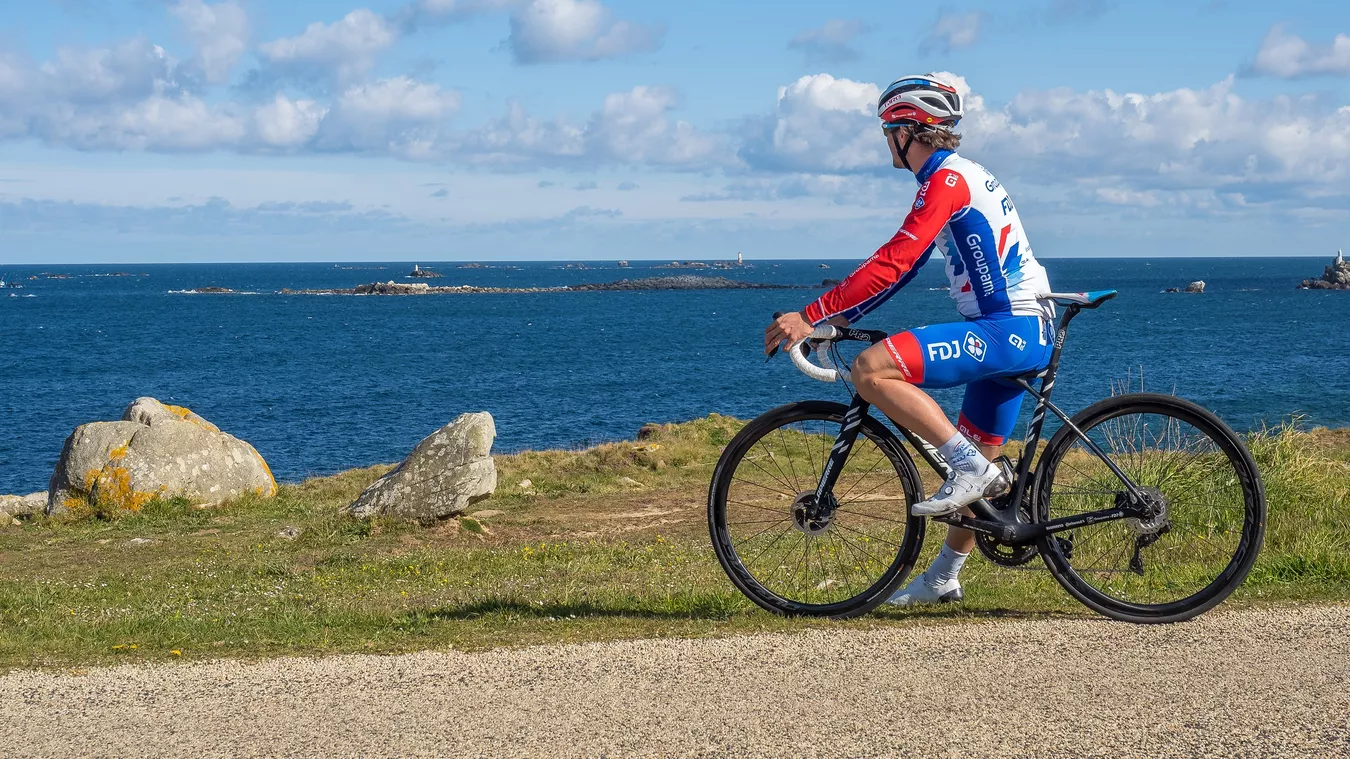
[(1192, 542), (803, 553)]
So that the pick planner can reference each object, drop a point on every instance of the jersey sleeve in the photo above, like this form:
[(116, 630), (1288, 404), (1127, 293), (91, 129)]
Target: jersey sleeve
[(895, 263)]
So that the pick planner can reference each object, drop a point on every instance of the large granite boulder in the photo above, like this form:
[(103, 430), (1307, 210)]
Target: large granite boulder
[(1198, 286), (443, 476), (156, 451)]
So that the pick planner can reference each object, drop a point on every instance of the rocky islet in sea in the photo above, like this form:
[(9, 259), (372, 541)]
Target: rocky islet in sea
[(676, 282), (1335, 277)]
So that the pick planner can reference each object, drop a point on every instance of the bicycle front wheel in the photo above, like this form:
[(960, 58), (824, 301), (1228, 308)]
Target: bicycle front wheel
[(789, 563), (1209, 504)]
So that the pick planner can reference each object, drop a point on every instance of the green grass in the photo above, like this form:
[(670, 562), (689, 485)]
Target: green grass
[(609, 542)]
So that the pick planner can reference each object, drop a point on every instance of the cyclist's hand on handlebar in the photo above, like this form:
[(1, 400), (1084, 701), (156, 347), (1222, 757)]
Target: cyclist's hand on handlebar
[(790, 327)]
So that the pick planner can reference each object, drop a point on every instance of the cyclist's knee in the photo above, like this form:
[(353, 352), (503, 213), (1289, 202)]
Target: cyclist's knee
[(872, 369)]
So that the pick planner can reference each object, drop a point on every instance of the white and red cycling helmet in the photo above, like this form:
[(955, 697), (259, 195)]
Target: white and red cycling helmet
[(920, 100)]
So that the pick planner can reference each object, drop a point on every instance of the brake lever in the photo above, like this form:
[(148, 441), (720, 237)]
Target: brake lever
[(774, 352)]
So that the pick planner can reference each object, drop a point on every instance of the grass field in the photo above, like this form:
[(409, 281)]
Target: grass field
[(610, 542)]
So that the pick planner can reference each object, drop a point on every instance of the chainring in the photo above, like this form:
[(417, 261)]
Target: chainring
[(1003, 554)]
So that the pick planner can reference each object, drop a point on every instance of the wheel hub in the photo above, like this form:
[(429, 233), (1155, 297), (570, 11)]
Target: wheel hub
[(810, 516), (1154, 505)]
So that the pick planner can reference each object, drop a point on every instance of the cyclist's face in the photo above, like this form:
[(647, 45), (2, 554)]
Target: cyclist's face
[(901, 135)]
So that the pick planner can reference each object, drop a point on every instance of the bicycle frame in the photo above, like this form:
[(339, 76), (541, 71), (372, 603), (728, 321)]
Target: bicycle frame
[(1004, 524)]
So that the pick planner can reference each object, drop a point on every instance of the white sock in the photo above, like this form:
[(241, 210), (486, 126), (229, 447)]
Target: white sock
[(963, 456), (945, 567)]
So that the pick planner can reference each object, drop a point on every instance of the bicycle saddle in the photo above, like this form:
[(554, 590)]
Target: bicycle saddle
[(1090, 299)]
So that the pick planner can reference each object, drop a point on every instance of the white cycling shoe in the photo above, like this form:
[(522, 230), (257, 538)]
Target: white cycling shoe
[(919, 593), (962, 489)]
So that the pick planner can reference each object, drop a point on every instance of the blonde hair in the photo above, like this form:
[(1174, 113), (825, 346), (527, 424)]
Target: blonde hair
[(937, 139)]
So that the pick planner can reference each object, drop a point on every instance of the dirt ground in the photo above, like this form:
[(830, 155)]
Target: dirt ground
[(1251, 683)]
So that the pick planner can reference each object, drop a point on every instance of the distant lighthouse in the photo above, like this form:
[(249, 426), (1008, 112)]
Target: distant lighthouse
[(740, 260), (1340, 257)]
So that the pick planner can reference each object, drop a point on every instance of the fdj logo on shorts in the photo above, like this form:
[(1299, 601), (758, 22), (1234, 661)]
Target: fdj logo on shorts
[(975, 347)]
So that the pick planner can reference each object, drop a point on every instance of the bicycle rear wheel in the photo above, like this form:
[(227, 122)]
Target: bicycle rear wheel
[(1211, 508), (784, 561)]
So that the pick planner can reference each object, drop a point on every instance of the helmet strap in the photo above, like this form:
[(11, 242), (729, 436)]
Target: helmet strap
[(903, 152)]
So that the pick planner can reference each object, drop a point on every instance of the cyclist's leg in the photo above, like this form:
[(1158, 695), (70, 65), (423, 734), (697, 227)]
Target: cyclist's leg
[(891, 376)]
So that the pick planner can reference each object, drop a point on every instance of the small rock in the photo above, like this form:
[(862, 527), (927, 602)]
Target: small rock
[(648, 431), (1198, 286), (15, 521), (23, 505), (647, 448), (1172, 290), (288, 533), (631, 482), (448, 471), (828, 282), (486, 514), (525, 484), (139, 541)]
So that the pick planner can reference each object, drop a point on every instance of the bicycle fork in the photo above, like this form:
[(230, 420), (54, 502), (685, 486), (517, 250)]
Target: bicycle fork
[(843, 445)]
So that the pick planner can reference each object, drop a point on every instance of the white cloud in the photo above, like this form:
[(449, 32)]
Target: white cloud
[(954, 31), (831, 42), (551, 31), (1211, 148), (398, 116), (220, 33), (343, 50), (631, 127), (821, 124), (1289, 56), (162, 123), (130, 69), (286, 123)]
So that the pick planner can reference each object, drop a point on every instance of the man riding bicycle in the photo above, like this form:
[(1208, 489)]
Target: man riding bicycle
[(964, 214)]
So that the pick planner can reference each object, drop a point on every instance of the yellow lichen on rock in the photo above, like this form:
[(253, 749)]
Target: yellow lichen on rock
[(109, 491), (188, 415), (272, 489)]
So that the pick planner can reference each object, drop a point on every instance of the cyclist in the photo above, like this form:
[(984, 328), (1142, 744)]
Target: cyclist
[(963, 214)]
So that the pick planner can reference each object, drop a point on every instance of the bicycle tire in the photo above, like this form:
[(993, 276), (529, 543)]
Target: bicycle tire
[(1248, 479), (723, 544)]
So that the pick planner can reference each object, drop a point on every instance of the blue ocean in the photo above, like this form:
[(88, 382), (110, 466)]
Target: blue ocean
[(324, 383)]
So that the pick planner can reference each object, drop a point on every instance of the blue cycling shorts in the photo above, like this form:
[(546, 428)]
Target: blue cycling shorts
[(980, 354)]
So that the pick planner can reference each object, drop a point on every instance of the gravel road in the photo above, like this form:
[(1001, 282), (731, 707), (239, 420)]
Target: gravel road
[(1273, 682)]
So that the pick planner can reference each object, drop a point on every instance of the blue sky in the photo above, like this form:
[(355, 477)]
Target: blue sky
[(190, 130)]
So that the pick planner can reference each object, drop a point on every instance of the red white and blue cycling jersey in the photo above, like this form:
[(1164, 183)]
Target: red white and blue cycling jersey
[(963, 213)]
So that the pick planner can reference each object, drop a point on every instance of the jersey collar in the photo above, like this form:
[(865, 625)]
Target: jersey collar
[(933, 163)]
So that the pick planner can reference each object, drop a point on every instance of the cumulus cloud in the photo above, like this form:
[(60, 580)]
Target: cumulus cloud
[(397, 116), (953, 31), (820, 124), (830, 43), (632, 127), (286, 123), (130, 69), (1289, 56), (1209, 147), (220, 33), (343, 50), (551, 31)]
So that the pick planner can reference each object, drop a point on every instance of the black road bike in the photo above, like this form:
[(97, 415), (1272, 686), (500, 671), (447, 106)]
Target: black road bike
[(1145, 507)]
